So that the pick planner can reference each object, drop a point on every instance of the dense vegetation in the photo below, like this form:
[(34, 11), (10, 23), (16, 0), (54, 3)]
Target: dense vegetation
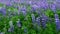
[(29, 17)]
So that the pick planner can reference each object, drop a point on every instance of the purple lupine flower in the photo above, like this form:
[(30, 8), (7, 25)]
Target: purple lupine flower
[(38, 12), (24, 10), (58, 5), (29, 2), (34, 7), (44, 5), (34, 2), (46, 17), (11, 26), (53, 6), (16, 1), (3, 10), (22, 1), (1, 32), (33, 18), (0, 10), (56, 15), (16, 6), (0, 7), (12, 2), (10, 29), (38, 21), (25, 29), (43, 0), (10, 23), (57, 22), (18, 10), (38, 4), (18, 23), (2, 1), (8, 3), (43, 20), (57, 0)]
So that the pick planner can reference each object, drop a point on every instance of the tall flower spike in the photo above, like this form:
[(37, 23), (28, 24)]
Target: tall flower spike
[(11, 29), (57, 22), (25, 29), (43, 21), (38, 21), (0, 10), (33, 18), (18, 10), (10, 23), (18, 23), (11, 26), (24, 10)]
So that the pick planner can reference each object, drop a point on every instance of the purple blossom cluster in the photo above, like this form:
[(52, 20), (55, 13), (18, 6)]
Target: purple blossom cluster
[(57, 21), (36, 6)]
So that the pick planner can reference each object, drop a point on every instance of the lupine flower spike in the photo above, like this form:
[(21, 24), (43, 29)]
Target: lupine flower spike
[(25, 30), (43, 21), (38, 21), (11, 26), (18, 10), (24, 10), (33, 18), (57, 21), (18, 23)]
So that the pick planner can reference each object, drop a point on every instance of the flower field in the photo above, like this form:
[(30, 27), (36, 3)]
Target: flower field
[(29, 16)]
